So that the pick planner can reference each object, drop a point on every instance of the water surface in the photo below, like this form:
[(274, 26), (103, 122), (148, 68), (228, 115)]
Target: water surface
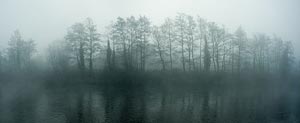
[(91, 103)]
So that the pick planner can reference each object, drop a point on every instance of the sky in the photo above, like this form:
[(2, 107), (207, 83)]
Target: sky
[(48, 20)]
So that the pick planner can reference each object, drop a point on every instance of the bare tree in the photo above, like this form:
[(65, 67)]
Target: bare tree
[(15, 49), (160, 44), (261, 42), (119, 35), (277, 48), (202, 30), (180, 24), (191, 30), (93, 38), (58, 56), (168, 32), (240, 38), (216, 34), (131, 30), (20, 51), (144, 33), (286, 59), (207, 57), (77, 39)]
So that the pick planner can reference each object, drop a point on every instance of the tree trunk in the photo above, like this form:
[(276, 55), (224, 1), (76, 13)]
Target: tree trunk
[(217, 57), (193, 59), (213, 53), (200, 62), (239, 59), (162, 59), (206, 56), (182, 55), (170, 51), (189, 52), (108, 57), (91, 59), (224, 59), (81, 58), (125, 62), (91, 64)]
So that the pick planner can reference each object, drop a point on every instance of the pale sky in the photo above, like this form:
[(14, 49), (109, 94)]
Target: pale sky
[(48, 20)]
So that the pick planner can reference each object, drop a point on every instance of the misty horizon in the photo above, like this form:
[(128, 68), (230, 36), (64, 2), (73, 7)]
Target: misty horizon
[(52, 18), (149, 61)]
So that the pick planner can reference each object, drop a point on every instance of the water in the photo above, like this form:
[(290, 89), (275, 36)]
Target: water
[(136, 103)]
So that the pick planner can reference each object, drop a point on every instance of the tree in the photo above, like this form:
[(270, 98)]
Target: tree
[(261, 43), (109, 57), (110, 49), (93, 38), (202, 30), (276, 49), (298, 67), (216, 35), (227, 40), (119, 36), (20, 51), (178, 42), (168, 32), (59, 56), (1, 61), (160, 44), (144, 33), (132, 36), (191, 29), (29, 49), (207, 56), (180, 26), (15, 49), (77, 39), (286, 59), (240, 38)]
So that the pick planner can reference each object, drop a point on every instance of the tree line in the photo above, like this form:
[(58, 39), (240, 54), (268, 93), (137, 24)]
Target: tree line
[(17, 57), (183, 43)]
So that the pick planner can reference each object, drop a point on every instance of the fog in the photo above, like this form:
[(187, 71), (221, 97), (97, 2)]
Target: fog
[(149, 61), (47, 20)]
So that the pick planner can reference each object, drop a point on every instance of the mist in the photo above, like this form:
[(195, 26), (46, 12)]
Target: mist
[(181, 61), (46, 21)]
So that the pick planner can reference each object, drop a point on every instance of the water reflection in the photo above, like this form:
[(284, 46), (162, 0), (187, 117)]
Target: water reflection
[(138, 103)]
